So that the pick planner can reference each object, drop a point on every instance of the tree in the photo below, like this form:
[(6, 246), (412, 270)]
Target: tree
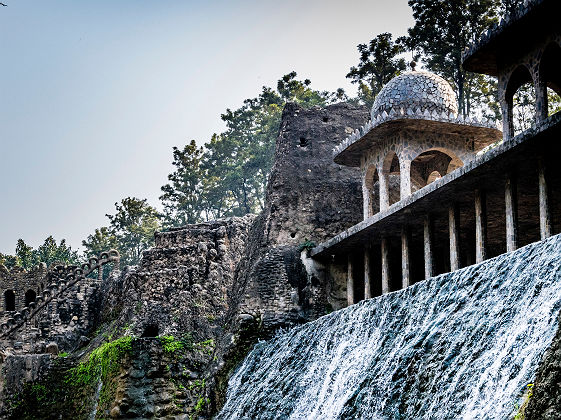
[(25, 255), (442, 30), (228, 176), (379, 63), (182, 197), (49, 252), (133, 226), (102, 240)]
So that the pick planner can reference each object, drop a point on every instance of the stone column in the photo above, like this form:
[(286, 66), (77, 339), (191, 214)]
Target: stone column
[(453, 224), (404, 178), (350, 282), (480, 226), (384, 189), (366, 198), (511, 205), (100, 273), (367, 274), (545, 215), (385, 267), (541, 100), (427, 236), (405, 261)]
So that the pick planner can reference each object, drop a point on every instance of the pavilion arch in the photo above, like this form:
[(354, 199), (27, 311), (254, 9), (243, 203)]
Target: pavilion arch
[(9, 300), (550, 78), (30, 296), (520, 113), (391, 189), (431, 165), (371, 191)]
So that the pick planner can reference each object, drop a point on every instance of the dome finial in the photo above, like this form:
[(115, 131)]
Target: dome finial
[(413, 64)]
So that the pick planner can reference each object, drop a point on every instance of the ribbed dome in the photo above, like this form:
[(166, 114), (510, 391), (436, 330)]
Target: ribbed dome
[(416, 90)]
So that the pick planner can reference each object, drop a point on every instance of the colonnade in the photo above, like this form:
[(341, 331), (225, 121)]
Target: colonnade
[(481, 240)]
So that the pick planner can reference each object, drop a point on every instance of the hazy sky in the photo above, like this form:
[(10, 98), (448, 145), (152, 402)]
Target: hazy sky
[(94, 94)]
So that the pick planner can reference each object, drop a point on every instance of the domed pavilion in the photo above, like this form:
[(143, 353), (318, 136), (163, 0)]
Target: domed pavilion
[(414, 137)]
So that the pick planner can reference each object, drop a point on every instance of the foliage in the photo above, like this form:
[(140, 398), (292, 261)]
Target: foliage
[(49, 252), (379, 63), (228, 175), (133, 226), (307, 245), (442, 31), (520, 411), (170, 344)]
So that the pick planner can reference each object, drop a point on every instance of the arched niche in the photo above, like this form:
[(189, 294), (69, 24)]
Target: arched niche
[(520, 98), (9, 300), (391, 170), (30, 296), (432, 164), (550, 78)]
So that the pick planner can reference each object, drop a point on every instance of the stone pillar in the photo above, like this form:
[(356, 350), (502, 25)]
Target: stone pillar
[(367, 274), (350, 282), (541, 100), (453, 224), (366, 199), (511, 206), (480, 226), (405, 260), (545, 215), (427, 236), (100, 273), (404, 178), (384, 189), (385, 267)]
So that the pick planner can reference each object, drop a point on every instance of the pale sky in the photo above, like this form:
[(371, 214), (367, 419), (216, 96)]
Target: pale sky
[(94, 94)]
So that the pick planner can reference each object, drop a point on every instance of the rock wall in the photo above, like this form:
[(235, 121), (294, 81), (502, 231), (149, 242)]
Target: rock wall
[(309, 198), (545, 401)]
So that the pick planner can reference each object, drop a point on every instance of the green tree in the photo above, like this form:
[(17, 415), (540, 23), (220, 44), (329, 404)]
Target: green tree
[(133, 225), (25, 255), (100, 241), (379, 63), (228, 176), (50, 252), (182, 197), (442, 30)]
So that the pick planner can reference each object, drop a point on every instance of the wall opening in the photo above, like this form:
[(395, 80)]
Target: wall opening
[(30, 296), (550, 67), (520, 98), (9, 300), (432, 165), (151, 330)]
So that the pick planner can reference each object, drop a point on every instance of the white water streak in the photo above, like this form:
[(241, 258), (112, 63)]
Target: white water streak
[(458, 346)]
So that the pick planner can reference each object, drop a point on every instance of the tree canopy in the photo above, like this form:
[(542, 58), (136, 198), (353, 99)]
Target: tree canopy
[(380, 62)]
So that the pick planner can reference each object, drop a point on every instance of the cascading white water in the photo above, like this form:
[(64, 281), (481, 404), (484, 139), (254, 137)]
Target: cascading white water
[(459, 346)]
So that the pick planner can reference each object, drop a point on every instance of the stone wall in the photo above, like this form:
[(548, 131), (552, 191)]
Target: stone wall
[(20, 281)]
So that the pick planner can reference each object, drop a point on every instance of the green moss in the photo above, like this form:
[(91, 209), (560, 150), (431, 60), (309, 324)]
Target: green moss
[(170, 344), (520, 411), (63, 354)]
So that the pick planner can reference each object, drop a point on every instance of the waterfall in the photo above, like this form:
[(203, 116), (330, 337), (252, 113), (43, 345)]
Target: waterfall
[(462, 345)]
